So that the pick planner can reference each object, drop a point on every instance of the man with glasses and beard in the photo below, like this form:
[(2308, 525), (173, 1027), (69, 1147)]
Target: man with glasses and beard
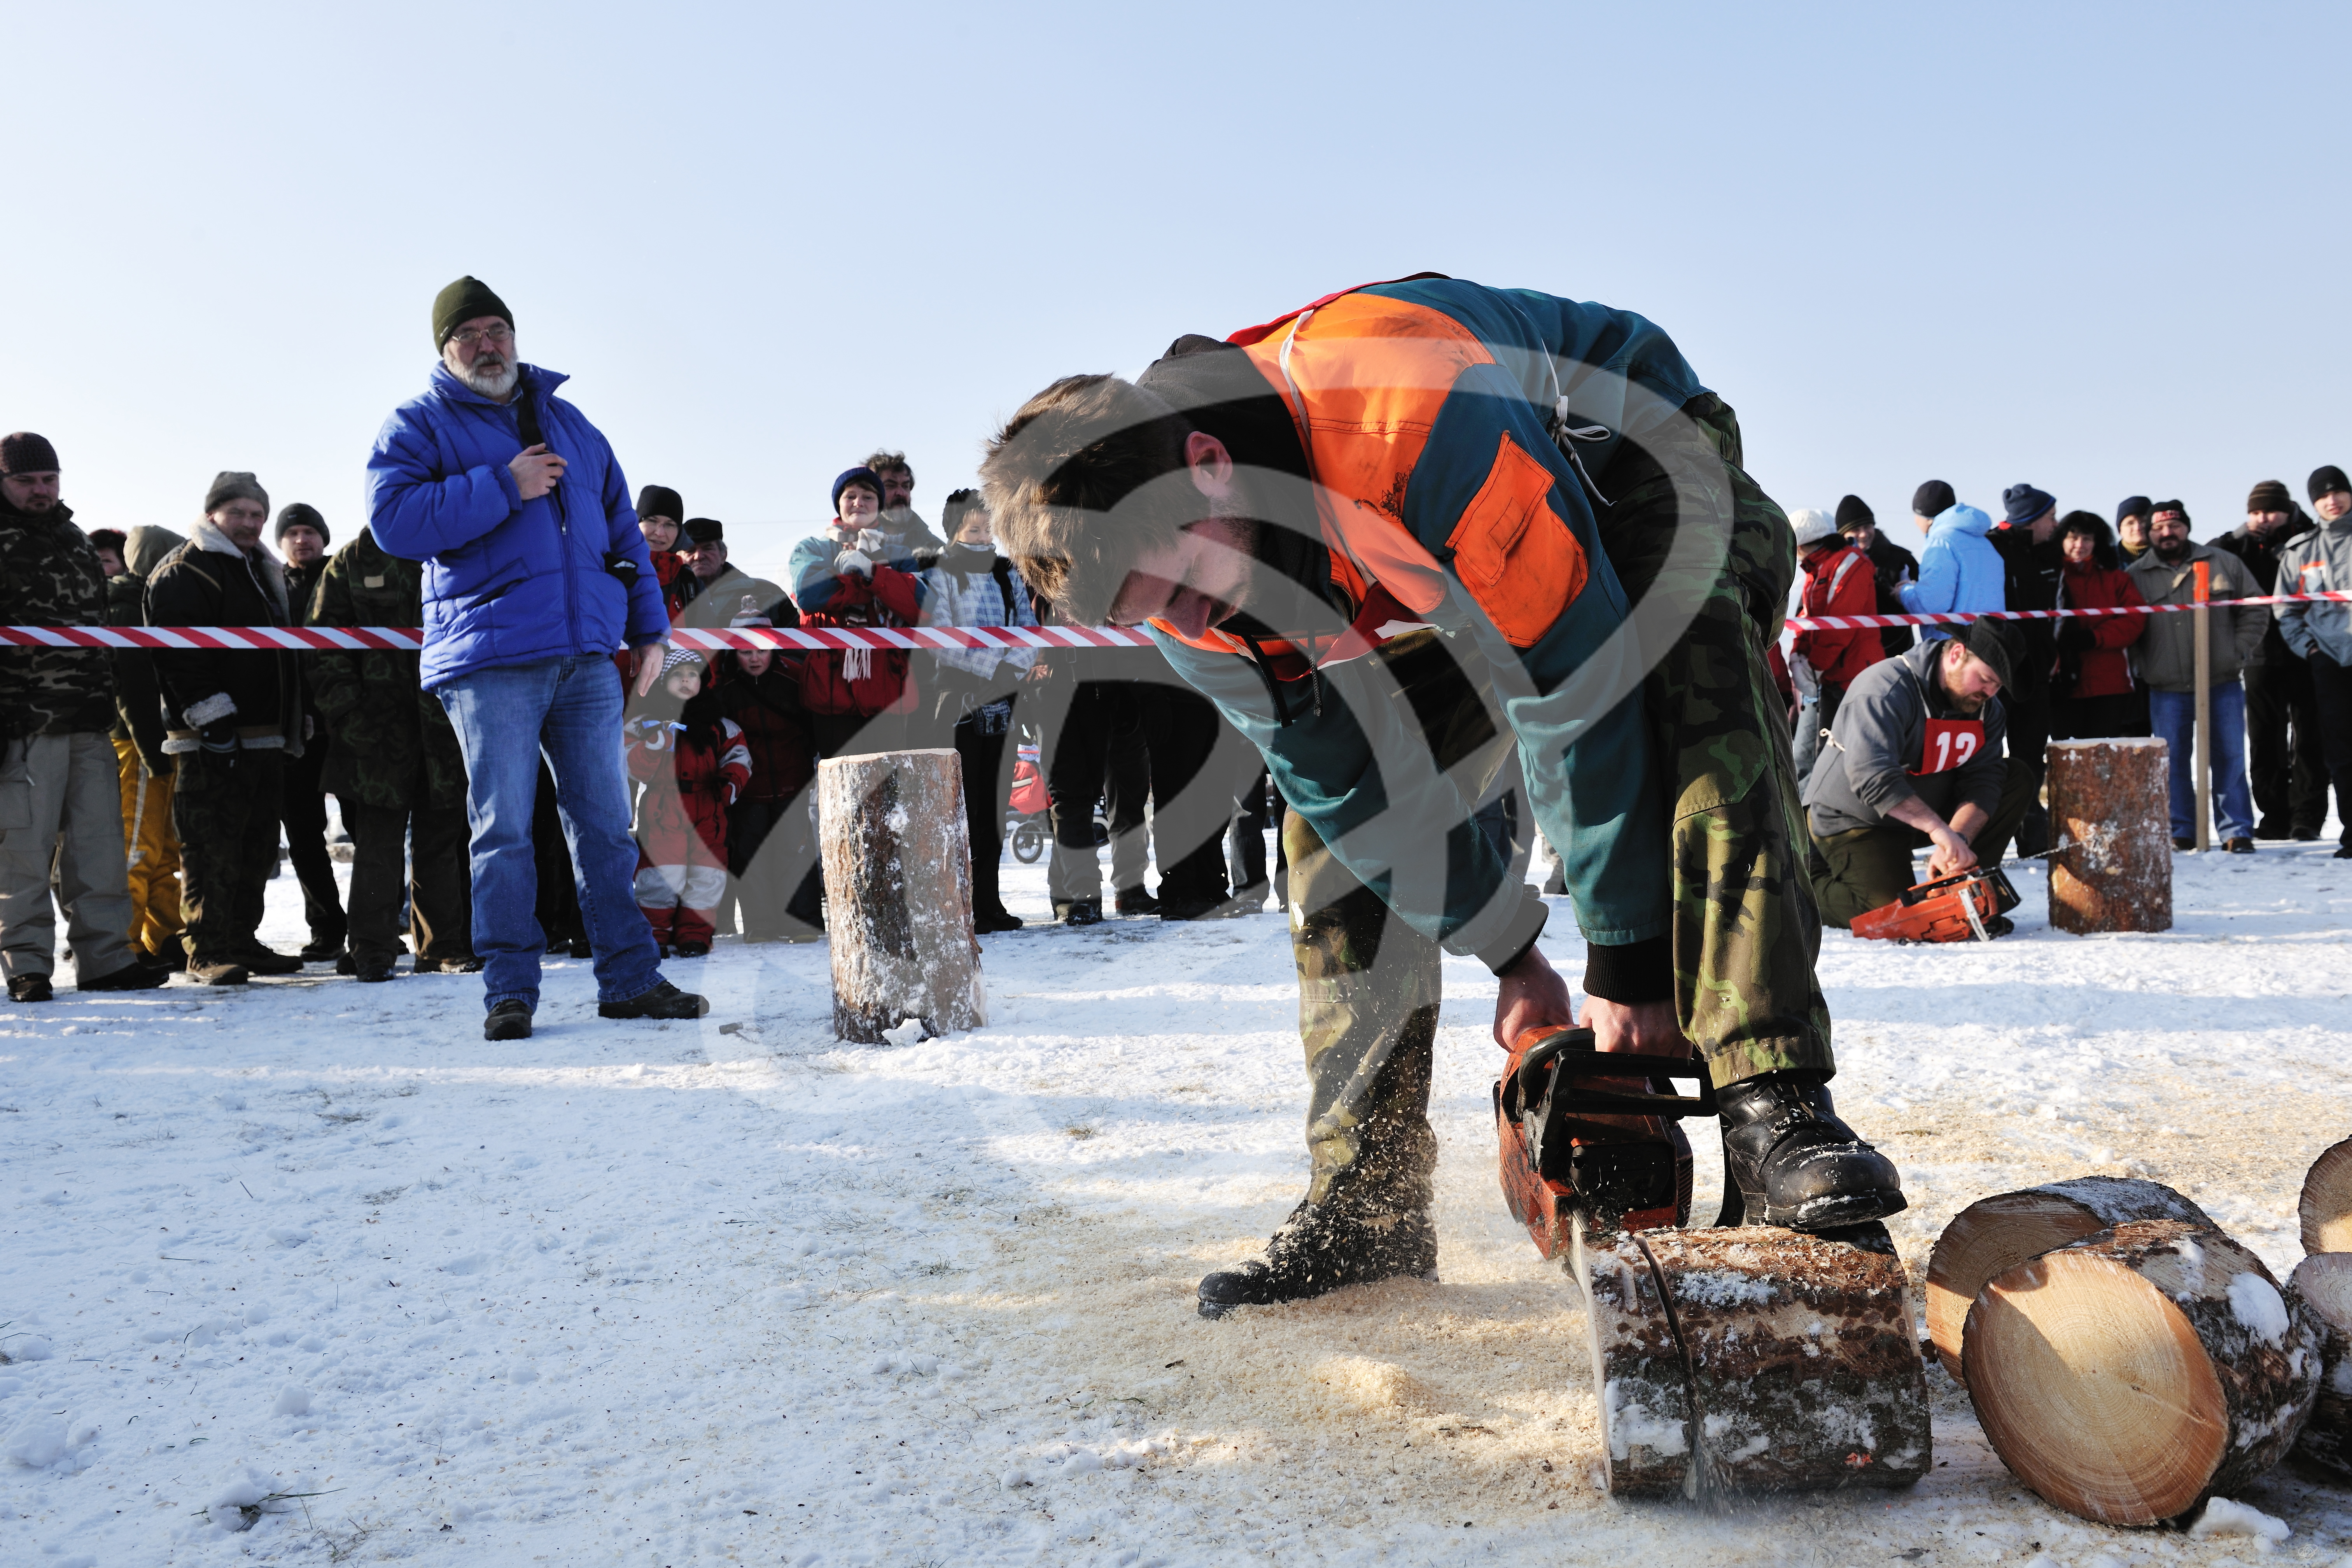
[(535, 571)]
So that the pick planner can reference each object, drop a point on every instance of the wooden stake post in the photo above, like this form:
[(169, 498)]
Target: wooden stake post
[(2204, 763)]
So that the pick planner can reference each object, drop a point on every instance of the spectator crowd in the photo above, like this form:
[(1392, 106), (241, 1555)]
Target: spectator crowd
[(668, 798)]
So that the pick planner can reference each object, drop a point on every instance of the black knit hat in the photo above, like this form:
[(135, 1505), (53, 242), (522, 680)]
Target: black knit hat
[(1989, 640), (1933, 499), (26, 453), (234, 484), (462, 302), (2325, 479), (2022, 504), (2271, 495), (2132, 506), (706, 531), (1855, 513), (300, 514), (660, 501)]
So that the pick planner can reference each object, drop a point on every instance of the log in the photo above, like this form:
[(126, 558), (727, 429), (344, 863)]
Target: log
[(2110, 814), (2324, 1280), (1639, 1377), (1804, 1372), (897, 888), (2325, 1207), (2133, 1375), (1994, 1234)]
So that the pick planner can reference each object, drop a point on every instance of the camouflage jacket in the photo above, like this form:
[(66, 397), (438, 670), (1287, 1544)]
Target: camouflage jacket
[(391, 744), (49, 576)]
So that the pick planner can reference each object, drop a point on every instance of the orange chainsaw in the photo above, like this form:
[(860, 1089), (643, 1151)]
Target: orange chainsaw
[(1571, 1144), (1955, 908)]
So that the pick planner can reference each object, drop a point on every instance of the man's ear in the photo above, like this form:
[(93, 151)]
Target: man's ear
[(1211, 465)]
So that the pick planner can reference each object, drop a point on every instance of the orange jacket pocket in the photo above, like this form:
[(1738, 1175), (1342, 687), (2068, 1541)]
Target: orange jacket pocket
[(1516, 555)]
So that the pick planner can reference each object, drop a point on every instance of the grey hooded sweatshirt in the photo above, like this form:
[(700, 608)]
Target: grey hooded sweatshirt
[(1879, 737)]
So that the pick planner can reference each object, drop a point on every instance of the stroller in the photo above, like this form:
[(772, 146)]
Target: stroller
[(1026, 824)]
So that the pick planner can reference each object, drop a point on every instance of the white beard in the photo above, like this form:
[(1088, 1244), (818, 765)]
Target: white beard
[(496, 383)]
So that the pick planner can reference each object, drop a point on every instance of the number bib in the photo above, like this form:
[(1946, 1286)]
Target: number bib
[(1948, 744)]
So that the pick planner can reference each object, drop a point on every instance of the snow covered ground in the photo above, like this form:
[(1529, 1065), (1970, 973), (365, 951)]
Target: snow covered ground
[(659, 1294)]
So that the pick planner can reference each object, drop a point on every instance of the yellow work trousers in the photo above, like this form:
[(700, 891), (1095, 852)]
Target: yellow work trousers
[(152, 851)]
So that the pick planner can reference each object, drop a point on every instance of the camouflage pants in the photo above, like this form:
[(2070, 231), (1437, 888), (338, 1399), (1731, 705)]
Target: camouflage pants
[(1746, 931), (226, 817)]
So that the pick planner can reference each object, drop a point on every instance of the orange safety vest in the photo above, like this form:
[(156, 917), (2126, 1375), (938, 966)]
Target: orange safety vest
[(1364, 376)]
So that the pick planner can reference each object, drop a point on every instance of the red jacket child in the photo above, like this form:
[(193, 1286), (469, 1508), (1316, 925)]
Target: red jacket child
[(693, 763), (1840, 582)]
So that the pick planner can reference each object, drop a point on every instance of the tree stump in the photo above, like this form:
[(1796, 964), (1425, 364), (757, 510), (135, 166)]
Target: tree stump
[(2110, 814), (897, 888), (1994, 1234), (1752, 1359), (2134, 1374), (2325, 1207), (2324, 1280), (1639, 1376)]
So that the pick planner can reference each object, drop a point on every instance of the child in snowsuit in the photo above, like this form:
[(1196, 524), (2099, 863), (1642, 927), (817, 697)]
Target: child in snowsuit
[(693, 763)]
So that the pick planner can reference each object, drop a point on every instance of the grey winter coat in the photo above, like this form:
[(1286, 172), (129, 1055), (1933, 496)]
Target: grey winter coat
[(2319, 561), (2166, 656), (1880, 735)]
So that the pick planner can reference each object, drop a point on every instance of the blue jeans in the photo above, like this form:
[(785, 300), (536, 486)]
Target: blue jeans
[(2173, 715), (571, 707)]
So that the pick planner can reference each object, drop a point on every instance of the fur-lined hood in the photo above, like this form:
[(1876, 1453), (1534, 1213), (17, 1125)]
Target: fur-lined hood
[(206, 536)]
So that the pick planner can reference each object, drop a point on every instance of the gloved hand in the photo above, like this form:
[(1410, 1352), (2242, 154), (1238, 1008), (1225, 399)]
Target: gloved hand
[(219, 738), (852, 563), (873, 540), (1801, 675)]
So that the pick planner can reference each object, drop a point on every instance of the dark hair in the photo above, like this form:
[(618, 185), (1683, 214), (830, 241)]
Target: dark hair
[(107, 539), (959, 503), (884, 462), (2103, 538)]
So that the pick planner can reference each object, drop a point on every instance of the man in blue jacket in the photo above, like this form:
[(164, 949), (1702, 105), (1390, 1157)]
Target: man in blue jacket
[(535, 573), (1959, 570)]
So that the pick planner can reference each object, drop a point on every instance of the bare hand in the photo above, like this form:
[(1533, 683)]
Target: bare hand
[(1532, 995), (1951, 853), (536, 471), (1648, 1028), (645, 667)]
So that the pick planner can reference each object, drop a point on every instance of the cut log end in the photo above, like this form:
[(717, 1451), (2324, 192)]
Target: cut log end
[(1994, 1234), (2323, 1282), (2326, 1205), (2131, 1375)]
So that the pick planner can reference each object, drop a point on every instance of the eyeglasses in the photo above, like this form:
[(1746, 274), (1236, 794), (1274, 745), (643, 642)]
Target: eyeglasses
[(474, 340)]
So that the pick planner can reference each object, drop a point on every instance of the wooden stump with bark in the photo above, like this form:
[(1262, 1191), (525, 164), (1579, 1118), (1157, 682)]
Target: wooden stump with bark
[(2111, 823), (897, 888), (2324, 1280), (2325, 1208), (1994, 1234), (2137, 1372), (1752, 1359)]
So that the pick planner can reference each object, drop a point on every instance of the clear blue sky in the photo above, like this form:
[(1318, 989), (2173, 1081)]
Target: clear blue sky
[(2096, 247)]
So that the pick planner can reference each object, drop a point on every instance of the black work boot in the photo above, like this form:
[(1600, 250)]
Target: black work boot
[(1788, 1159), (1321, 1248)]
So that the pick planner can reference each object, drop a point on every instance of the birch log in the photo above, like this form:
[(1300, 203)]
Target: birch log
[(2324, 1280), (2325, 1208), (1994, 1234), (1804, 1373), (897, 888), (2132, 1375), (2111, 823), (1639, 1376)]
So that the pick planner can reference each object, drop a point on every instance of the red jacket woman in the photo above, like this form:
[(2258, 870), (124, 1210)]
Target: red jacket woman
[(2091, 686)]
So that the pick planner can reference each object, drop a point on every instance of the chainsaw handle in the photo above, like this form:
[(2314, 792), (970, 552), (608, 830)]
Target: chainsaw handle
[(1548, 1046)]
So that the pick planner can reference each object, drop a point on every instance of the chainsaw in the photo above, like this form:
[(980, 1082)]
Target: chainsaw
[(1574, 1144), (1945, 908)]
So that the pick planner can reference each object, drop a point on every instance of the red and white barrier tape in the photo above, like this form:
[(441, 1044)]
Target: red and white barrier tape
[(908, 638)]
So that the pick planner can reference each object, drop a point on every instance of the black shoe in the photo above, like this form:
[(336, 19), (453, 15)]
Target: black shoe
[(372, 971), (2271, 827), (345, 963), (29, 988), (1136, 902), (691, 950), (260, 960), (2305, 835), (557, 945), (2184, 844), (664, 1001), (218, 972), (1998, 926), (988, 923), (2345, 853), (1787, 1159), (582, 947), (2239, 846), (1319, 1249), (1082, 913), (172, 960), (1191, 908), (320, 949), (510, 1020), (133, 977)]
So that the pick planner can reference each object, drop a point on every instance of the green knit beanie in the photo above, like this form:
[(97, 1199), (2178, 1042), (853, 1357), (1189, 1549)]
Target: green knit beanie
[(462, 302)]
